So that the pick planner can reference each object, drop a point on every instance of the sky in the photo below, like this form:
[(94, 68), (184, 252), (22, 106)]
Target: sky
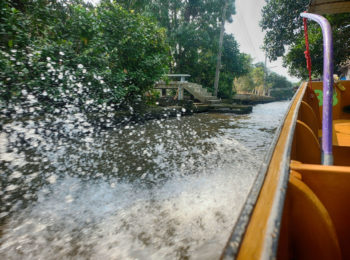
[(248, 34)]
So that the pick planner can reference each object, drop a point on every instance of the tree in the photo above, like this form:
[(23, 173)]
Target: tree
[(280, 87), (234, 64), (253, 83), (283, 25), (244, 84), (221, 39), (257, 75), (78, 53), (193, 27)]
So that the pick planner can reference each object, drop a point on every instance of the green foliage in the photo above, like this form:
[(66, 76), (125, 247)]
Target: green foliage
[(282, 23), (284, 27), (341, 34), (76, 52), (254, 82), (152, 96), (233, 64), (257, 75), (244, 84), (280, 87), (193, 29)]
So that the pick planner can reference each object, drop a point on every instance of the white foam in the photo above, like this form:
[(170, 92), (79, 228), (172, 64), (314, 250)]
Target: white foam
[(185, 217)]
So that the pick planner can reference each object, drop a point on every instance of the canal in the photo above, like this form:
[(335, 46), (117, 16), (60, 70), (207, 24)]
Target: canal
[(164, 189)]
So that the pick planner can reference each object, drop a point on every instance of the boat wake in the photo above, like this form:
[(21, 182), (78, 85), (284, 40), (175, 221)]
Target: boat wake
[(114, 220)]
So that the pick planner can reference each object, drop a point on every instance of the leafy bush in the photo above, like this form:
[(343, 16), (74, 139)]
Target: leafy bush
[(78, 53)]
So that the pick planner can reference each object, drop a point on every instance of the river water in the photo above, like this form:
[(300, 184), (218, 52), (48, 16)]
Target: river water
[(165, 189)]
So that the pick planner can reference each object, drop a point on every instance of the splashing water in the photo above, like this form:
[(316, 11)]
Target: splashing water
[(166, 189)]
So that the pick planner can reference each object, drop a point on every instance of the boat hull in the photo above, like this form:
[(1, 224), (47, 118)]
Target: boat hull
[(298, 208)]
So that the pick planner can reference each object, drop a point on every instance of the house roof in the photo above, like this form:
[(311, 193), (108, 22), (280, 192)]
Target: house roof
[(329, 6)]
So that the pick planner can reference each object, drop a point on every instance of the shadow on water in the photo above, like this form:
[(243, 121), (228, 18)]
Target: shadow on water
[(163, 189)]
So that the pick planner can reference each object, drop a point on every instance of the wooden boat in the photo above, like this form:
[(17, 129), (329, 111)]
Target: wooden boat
[(299, 206)]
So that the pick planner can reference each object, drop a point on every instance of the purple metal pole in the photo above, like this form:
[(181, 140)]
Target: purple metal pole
[(327, 156)]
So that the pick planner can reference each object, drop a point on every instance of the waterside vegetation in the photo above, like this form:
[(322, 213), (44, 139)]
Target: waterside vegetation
[(77, 53), (55, 54)]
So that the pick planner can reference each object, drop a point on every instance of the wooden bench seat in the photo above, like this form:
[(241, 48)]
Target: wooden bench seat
[(341, 132), (331, 185)]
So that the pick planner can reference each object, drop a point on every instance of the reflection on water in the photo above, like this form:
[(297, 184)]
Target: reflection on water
[(161, 190)]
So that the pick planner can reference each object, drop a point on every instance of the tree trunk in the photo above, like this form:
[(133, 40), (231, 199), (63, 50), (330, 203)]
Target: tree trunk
[(218, 60)]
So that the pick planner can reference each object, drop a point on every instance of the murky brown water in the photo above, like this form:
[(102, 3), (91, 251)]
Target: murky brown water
[(169, 189)]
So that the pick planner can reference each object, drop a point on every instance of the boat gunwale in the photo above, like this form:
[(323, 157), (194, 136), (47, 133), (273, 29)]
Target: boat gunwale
[(281, 190), (233, 244)]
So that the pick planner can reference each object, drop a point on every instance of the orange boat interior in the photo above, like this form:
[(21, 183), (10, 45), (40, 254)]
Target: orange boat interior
[(316, 215)]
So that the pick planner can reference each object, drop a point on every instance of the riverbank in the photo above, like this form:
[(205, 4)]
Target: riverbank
[(251, 99), (136, 113), (166, 108), (223, 107)]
